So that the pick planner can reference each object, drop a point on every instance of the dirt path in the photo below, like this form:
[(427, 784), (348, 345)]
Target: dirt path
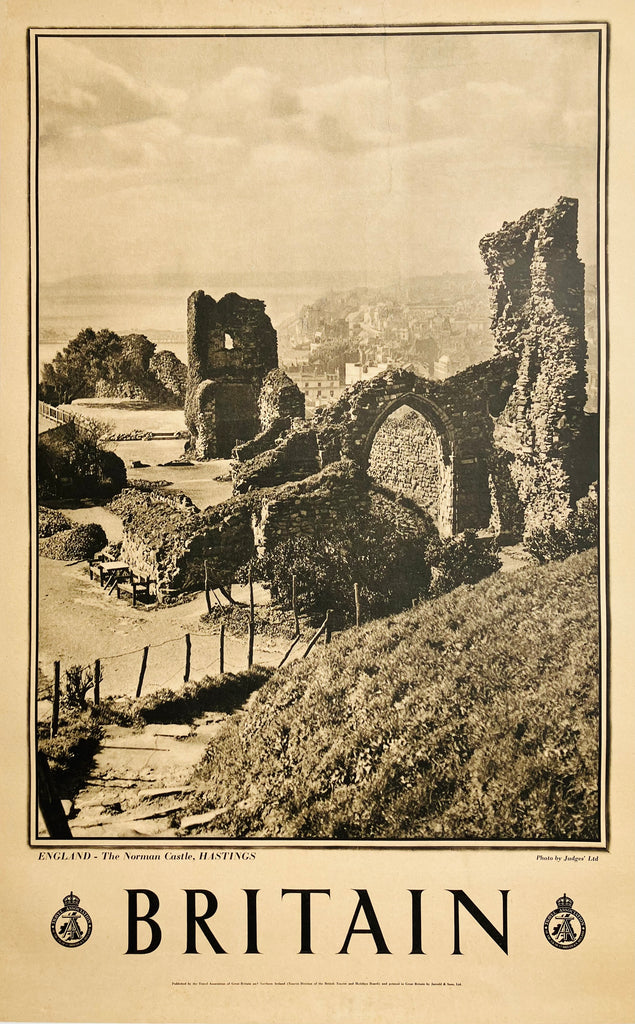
[(79, 622)]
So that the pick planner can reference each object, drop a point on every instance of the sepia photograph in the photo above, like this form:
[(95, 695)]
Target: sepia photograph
[(319, 431)]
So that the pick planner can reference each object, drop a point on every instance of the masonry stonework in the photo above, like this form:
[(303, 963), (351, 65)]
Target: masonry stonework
[(458, 425), (166, 537), (504, 445), (509, 445), (406, 457), (231, 346), (280, 398), (537, 286), (171, 373)]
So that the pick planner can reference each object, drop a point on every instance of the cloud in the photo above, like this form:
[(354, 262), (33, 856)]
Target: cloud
[(254, 105), (131, 154), (300, 161), (501, 116), (250, 103), (77, 88), (359, 112), (469, 104)]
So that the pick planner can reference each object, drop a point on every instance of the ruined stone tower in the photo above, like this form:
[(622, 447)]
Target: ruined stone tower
[(231, 346), (537, 285)]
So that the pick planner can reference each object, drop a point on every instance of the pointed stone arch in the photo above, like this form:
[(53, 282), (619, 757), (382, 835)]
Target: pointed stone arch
[(436, 471)]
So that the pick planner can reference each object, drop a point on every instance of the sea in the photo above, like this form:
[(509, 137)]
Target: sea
[(160, 314)]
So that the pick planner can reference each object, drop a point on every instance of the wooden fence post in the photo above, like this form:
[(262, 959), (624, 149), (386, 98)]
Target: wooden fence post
[(250, 647), (188, 658), (294, 605), (316, 636), (55, 714), (227, 593), (357, 611), (294, 642), (327, 627), (96, 682), (207, 597), (221, 660), (250, 651), (142, 672)]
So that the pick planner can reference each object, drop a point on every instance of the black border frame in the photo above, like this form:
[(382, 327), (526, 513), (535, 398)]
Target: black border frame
[(602, 30)]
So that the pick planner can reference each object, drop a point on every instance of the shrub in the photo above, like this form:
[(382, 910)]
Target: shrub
[(580, 532), (79, 680), (383, 549), (461, 559), (76, 544), (213, 693), (270, 620), (71, 753), (112, 553), (72, 464), (50, 521), (92, 357)]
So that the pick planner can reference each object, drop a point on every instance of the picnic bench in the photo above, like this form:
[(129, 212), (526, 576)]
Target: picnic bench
[(135, 585), (108, 572), (118, 577)]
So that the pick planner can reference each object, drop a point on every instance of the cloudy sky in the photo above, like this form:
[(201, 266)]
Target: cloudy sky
[(374, 158)]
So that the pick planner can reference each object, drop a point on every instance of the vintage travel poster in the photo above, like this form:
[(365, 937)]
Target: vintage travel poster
[(317, 454)]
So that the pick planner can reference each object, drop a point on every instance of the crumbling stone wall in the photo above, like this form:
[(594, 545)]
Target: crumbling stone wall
[(294, 456), (280, 406), (280, 399), (162, 381), (231, 346), (537, 285), (406, 456), (507, 443), (121, 389), (171, 373), (309, 507), (516, 447), (150, 390), (170, 540), (457, 411)]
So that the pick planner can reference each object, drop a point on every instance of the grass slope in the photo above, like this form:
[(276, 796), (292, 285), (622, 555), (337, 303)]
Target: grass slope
[(474, 716)]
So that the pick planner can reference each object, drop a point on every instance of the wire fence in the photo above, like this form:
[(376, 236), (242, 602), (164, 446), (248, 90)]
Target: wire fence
[(167, 664)]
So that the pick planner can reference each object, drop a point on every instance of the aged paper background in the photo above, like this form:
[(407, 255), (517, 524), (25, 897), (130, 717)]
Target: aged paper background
[(42, 981)]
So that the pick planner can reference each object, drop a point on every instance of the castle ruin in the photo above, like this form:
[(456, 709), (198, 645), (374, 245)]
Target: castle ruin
[(504, 445), (537, 286), (231, 346)]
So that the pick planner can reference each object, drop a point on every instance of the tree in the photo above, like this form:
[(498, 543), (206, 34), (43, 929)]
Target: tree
[(94, 356)]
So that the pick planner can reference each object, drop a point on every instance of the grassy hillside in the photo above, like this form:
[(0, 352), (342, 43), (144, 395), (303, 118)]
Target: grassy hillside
[(474, 716)]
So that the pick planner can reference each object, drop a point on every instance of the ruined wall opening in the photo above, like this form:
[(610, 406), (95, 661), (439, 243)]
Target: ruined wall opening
[(410, 453)]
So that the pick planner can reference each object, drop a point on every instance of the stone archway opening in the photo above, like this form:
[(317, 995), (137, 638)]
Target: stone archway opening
[(410, 453)]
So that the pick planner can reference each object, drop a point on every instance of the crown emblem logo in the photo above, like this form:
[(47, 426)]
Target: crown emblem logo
[(564, 928), (71, 925)]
